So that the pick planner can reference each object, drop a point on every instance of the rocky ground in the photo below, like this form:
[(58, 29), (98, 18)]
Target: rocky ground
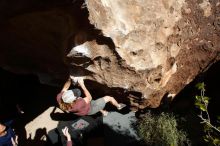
[(118, 130)]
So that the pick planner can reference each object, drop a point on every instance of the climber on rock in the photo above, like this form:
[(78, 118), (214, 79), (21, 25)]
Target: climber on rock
[(71, 100)]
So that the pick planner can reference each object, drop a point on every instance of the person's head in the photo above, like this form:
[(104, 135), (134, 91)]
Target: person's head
[(68, 98), (2, 129)]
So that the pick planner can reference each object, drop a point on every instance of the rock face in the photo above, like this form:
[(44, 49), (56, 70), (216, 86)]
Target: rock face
[(153, 48), (160, 45)]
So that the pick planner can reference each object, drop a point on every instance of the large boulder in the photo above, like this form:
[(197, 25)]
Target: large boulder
[(150, 48), (159, 46)]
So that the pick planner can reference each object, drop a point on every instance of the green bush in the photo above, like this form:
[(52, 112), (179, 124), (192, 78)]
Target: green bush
[(212, 131), (160, 130)]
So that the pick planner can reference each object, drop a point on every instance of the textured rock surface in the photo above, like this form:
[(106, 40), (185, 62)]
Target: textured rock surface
[(161, 45), (152, 48)]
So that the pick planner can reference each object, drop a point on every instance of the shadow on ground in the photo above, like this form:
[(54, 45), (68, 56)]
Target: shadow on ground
[(35, 98)]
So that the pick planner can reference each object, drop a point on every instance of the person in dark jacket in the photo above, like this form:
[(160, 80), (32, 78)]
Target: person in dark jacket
[(7, 135)]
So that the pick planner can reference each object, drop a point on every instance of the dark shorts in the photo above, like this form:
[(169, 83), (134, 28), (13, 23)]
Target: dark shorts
[(96, 106)]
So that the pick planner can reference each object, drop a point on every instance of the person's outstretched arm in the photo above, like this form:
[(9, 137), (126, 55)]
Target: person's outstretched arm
[(88, 96), (66, 85), (68, 136)]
